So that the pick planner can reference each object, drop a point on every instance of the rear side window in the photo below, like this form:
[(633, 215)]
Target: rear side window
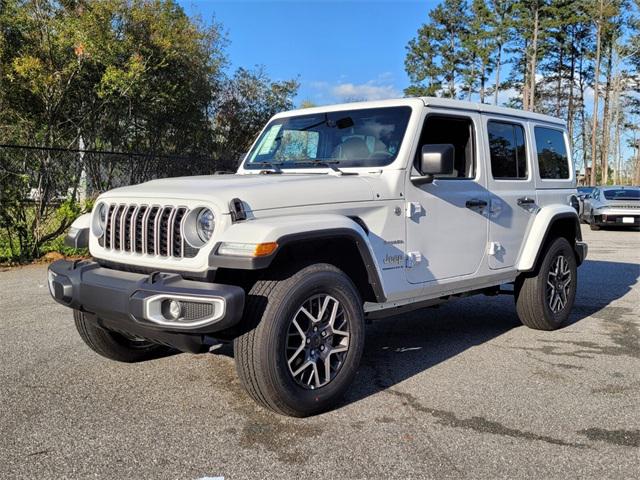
[(508, 151), (552, 153)]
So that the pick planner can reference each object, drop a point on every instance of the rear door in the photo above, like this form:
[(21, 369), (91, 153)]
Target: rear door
[(512, 197)]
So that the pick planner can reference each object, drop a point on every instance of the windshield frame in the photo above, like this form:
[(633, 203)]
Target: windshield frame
[(328, 163)]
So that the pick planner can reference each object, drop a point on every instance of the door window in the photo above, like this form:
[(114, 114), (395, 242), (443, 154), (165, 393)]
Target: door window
[(456, 131), (552, 154), (508, 150)]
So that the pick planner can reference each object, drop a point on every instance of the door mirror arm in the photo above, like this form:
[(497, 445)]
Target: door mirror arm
[(422, 179)]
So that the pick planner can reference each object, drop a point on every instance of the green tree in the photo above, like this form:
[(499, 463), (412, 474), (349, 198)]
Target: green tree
[(501, 23), (120, 75), (434, 60), (246, 102), (478, 44)]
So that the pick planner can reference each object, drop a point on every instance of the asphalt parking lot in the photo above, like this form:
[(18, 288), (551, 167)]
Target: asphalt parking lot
[(462, 391)]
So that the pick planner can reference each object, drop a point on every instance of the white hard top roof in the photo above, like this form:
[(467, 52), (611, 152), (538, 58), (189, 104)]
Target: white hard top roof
[(485, 108), (430, 102)]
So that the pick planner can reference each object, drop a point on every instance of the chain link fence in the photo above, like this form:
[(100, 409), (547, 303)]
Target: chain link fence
[(42, 190)]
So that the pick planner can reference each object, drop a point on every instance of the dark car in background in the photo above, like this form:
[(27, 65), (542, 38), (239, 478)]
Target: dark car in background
[(612, 206)]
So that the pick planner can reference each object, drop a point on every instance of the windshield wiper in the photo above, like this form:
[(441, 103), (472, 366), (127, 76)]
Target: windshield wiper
[(324, 163), (274, 165)]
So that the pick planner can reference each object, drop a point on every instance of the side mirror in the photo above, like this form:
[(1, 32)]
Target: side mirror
[(435, 159)]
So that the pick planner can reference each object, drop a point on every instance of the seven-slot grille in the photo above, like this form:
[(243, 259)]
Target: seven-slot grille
[(147, 229)]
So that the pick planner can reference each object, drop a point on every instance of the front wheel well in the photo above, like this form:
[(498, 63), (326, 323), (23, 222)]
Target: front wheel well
[(341, 251)]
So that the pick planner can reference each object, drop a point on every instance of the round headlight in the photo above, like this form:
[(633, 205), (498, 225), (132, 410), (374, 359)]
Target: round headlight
[(100, 219), (102, 215), (205, 223)]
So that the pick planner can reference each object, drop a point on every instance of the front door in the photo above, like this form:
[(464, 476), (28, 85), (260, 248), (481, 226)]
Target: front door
[(446, 224), (512, 203)]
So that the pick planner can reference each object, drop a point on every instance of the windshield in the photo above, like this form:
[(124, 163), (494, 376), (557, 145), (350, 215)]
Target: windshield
[(349, 138), (622, 194)]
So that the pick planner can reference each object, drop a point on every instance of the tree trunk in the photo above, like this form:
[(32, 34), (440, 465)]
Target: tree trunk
[(470, 86), (498, 66), (482, 76), (636, 170), (596, 95), (570, 113), (583, 119), (525, 78), (606, 118), (616, 122), (534, 59), (559, 73)]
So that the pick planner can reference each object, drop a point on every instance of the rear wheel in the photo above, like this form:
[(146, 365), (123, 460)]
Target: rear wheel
[(113, 345), (544, 300), (592, 223), (303, 342)]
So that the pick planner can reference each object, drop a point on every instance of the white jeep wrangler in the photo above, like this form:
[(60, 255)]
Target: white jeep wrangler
[(337, 214)]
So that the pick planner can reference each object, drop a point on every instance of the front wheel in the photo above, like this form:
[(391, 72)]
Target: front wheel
[(544, 300), (113, 345), (303, 342)]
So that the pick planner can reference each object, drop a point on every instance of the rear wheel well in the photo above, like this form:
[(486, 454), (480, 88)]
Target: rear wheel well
[(562, 227), (566, 227)]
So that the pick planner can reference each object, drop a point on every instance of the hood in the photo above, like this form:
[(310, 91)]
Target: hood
[(258, 192)]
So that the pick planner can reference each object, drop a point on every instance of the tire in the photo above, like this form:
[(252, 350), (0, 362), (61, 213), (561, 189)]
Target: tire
[(592, 222), (275, 336), (537, 305), (115, 346)]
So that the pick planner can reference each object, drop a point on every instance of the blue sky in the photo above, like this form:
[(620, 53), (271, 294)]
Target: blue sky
[(337, 49)]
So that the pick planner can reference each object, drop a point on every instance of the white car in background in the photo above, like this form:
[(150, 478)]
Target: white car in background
[(612, 206)]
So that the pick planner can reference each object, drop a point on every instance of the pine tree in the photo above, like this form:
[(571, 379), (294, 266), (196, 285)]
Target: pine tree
[(434, 59), (501, 26), (478, 45)]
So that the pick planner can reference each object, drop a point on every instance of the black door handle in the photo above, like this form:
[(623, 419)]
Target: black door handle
[(475, 203), (526, 201)]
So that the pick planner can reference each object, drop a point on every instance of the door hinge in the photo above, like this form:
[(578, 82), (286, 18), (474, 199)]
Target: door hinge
[(414, 209), (413, 258), (495, 248)]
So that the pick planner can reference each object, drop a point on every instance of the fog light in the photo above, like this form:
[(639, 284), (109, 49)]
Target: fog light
[(171, 309)]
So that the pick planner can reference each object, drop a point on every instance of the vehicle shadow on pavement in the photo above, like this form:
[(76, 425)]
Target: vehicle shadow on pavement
[(399, 347), (600, 283)]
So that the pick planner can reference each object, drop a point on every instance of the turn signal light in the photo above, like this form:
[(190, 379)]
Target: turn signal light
[(237, 249), (264, 249)]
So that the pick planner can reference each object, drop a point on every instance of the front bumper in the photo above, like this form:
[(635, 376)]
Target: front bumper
[(131, 302)]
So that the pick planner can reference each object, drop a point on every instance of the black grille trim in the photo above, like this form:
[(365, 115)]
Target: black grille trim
[(147, 229)]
